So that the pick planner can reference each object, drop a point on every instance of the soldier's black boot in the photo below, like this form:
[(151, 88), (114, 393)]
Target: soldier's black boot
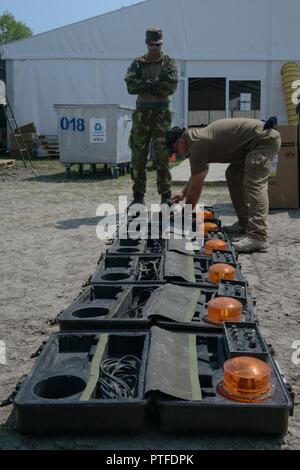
[(167, 199), (138, 198)]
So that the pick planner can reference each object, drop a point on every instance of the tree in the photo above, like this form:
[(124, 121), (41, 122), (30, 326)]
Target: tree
[(11, 29)]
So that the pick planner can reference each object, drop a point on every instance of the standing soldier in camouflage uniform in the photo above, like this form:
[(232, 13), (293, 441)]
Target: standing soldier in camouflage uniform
[(153, 77)]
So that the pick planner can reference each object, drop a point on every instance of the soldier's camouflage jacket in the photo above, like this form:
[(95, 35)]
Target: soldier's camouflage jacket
[(158, 78)]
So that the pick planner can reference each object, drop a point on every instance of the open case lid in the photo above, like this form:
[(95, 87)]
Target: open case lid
[(173, 302), (172, 365)]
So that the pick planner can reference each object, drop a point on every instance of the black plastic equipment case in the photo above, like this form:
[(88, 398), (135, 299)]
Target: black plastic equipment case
[(149, 248), (230, 252), (225, 256), (236, 289), (129, 270), (50, 398), (199, 320), (217, 236), (221, 236), (192, 216), (108, 307), (153, 222), (245, 339), (139, 247), (201, 268), (216, 413), (194, 225), (140, 230)]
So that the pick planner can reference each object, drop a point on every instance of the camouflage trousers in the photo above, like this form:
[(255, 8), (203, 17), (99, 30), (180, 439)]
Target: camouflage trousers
[(150, 123)]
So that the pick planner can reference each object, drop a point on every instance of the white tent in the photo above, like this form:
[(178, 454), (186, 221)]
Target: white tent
[(85, 63)]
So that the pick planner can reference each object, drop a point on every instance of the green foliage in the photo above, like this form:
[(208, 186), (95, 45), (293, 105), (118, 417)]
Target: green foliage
[(11, 29)]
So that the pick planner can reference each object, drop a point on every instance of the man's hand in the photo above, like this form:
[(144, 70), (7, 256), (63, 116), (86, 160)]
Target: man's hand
[(152, 81), (177, 197)]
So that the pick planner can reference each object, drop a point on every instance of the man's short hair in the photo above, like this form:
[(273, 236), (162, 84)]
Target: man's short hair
[(271, 123), (172, 136)]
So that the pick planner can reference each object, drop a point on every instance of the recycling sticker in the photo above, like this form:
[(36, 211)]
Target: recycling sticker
[(98, 130)]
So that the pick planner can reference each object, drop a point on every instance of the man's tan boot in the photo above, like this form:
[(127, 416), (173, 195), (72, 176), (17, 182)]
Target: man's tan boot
[(250, 244), (235, 229)]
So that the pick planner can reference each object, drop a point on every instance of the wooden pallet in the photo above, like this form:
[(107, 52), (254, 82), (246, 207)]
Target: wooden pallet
[(53, 155), (5, 164), (50, 145)]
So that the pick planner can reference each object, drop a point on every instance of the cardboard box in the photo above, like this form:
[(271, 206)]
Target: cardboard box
[(284, 179), (16, 153), (29, 139), (28, 128)]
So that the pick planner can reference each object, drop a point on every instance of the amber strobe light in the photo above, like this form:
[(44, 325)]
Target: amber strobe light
[(220, 271), (211, 245), (224, 309), (204, 215), (208, 227), (246, 379)]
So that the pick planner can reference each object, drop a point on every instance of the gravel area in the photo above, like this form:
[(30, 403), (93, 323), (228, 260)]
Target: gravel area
[(49, 248)]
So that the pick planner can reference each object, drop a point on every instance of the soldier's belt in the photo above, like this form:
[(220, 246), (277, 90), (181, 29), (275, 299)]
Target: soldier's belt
[(157, 105)]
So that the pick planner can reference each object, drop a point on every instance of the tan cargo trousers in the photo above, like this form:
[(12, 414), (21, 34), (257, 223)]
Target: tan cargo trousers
[(248, 184)]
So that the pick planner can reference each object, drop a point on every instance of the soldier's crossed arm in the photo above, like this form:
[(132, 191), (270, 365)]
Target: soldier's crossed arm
[(135, 85), (168, 78)]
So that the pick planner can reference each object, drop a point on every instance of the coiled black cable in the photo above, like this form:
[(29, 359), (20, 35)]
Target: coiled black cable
[(149, 270), (157, 246), (118, 378), (139, 301)]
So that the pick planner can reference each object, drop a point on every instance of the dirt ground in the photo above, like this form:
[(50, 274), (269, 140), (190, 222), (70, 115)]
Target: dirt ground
[(49, 248)]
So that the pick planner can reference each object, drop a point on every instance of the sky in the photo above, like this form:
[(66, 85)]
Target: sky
[(44, 15)]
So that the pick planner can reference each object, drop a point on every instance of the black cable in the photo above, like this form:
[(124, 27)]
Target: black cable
[(137, 304), (141, 295), (139, 301), (131, 311), (118, 378), (149, 270), (157, 246)]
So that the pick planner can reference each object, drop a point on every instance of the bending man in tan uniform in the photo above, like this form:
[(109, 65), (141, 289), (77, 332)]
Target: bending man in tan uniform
[(249, 148)]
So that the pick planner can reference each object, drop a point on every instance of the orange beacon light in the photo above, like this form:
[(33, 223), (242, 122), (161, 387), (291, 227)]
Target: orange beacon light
[(215, 244), (223, 309), (246, 379), (204, 215), (207, 227), (220, 271)]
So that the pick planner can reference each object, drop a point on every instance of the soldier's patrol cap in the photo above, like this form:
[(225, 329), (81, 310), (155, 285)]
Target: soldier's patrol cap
[(154, 35)]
